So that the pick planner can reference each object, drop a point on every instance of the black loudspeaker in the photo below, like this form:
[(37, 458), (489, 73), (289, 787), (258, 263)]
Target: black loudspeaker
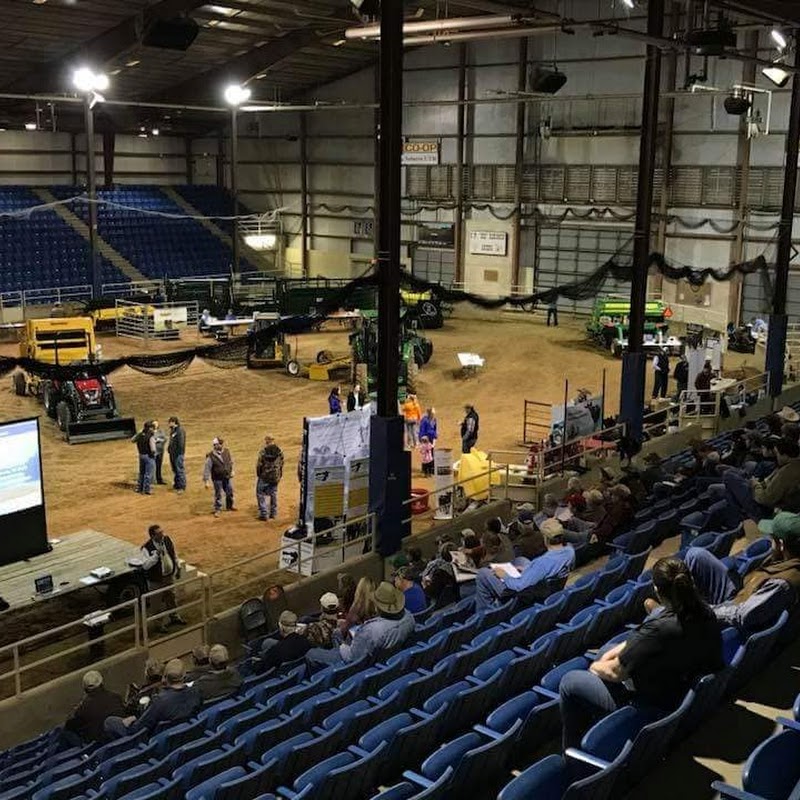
[(171, 34), (389, 483), (546, 81)]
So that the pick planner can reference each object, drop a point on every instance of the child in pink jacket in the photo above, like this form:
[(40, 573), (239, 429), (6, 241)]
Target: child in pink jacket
[(426, 455)]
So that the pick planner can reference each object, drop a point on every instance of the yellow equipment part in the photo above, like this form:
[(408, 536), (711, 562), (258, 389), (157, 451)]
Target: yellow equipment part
[(322, 372), (473, 470), (58, 340)]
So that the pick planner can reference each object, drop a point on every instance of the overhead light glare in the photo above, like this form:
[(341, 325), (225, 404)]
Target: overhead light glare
[(778, 38), (236, 94), (628, 3), (261, 241), (85, 80), (30, 126), (339, 42), (261, 76), (155, 131), (133, 62)]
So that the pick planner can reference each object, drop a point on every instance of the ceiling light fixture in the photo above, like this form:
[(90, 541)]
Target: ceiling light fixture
[(777, 75), (628, 3), (133, 62), (235, 94), (85, 80), (155, 131), (30, 126), (339, 42), (778, 38)]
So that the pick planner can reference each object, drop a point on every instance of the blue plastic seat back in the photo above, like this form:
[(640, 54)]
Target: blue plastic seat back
[(773, 768), (209, 788), (526, 668), (488, 668), (755, 652), (481, 767), (305, 755)]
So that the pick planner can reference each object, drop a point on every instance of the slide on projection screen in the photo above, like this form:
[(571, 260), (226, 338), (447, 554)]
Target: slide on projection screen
[(23, 526)]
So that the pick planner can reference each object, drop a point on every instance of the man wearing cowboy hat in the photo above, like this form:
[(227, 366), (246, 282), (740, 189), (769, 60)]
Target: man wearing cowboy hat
[(788, 414), (391, 626)]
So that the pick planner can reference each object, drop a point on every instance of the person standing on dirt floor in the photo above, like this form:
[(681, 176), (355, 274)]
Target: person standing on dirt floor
[(469, 429), (160, 564), (429, 426), (146, 447), (660, 373), (219, 471), (357, 398), (335, 401), (552, 312), (177, 451), (269, 471), (160, 440), (412, 414)]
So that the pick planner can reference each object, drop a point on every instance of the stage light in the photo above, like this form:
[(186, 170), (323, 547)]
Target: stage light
[(235, 94), (778, 38), (777, 75), (737, 103), (85, 80), (261, 241)]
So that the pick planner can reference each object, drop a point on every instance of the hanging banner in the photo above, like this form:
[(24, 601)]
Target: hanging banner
[(488, 243), (443, 482), (167, 319), (358, 488), (420, 153), (582, 418)]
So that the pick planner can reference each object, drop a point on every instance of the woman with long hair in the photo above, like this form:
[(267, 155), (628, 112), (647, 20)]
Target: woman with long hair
[(658, 662), (363, 606)]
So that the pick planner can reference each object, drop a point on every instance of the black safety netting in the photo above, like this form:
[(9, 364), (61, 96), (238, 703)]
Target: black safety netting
[(233, 353)]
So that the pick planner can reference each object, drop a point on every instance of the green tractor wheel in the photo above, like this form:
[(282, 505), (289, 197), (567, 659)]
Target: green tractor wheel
[(411, 377)]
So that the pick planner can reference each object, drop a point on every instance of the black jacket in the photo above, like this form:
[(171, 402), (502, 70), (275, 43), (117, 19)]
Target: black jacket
[(88, 717), (177, 442), (218, 683), (351, 400), (287, 648), (154, 573)]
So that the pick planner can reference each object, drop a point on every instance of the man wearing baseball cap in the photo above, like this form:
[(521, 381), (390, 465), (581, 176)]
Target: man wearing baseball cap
[(756, 601), (218, 470), (289, 646), (85, 723), (320, 633)]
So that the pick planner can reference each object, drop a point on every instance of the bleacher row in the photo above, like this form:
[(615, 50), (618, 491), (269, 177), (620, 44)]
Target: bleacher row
[(484, 684), (42, 250)]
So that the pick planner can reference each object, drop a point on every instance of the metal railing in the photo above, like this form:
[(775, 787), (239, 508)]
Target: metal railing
[(703, 408), (216, 588), (182, 587), (57, 294), (666, 417), (537, 421), (129, 288), (444, 496), (18, 649), (155, 320)]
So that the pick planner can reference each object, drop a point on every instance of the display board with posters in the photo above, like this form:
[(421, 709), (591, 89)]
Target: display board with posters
[(167, 319), (580, 417), (488, 243)]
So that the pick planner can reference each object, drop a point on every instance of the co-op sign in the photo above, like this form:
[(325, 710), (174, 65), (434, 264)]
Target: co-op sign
[(420, 153)]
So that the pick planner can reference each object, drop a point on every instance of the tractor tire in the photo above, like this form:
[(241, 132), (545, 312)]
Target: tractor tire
[(63, 416), (19, 384), (324, 357), (427, 350), (48, 402), (412, 378), (293, 368)]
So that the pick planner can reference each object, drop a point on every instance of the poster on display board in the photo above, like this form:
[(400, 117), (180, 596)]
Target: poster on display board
[(488, 243), (337, 444), (167, 319), (582, 419), (443, 482), (415, 153)]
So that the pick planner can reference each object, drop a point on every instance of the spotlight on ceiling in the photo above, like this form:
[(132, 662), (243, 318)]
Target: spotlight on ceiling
[(155, 131), (628, 3), (778, 38), (777, 75), (235, 94), (85, 80), (30, 126), (737, 103)]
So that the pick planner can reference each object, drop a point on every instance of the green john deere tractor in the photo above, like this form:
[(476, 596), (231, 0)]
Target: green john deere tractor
[(608, 326), (415, 351)]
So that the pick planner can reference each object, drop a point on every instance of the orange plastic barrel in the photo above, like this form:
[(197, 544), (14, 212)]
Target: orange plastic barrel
[(419, 503)]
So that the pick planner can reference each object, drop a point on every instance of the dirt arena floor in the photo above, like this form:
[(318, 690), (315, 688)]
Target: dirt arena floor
[(91, 485)]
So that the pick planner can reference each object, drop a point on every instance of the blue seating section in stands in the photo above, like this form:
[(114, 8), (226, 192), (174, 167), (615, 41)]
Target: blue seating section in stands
[(212, 201), (42, 251), (469, 696)]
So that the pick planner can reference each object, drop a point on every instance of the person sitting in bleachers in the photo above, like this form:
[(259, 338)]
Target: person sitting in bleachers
[(526, 538), (139, 697), (85, 723), (221, 679), (574, 496), (655, 666), (497, 547), (755, 602), (498, 583), (415, 600), (176, 702), (200, 663), (289, 645), (391, 626), (471, 546), (321, 632), (439, 578), (595, 508), (757, 498)]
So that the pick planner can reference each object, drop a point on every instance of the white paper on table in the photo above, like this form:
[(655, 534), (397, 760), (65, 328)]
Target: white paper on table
[(509, 569)]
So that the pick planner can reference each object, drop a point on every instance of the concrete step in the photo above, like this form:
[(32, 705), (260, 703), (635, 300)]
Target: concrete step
[(103, 247)]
